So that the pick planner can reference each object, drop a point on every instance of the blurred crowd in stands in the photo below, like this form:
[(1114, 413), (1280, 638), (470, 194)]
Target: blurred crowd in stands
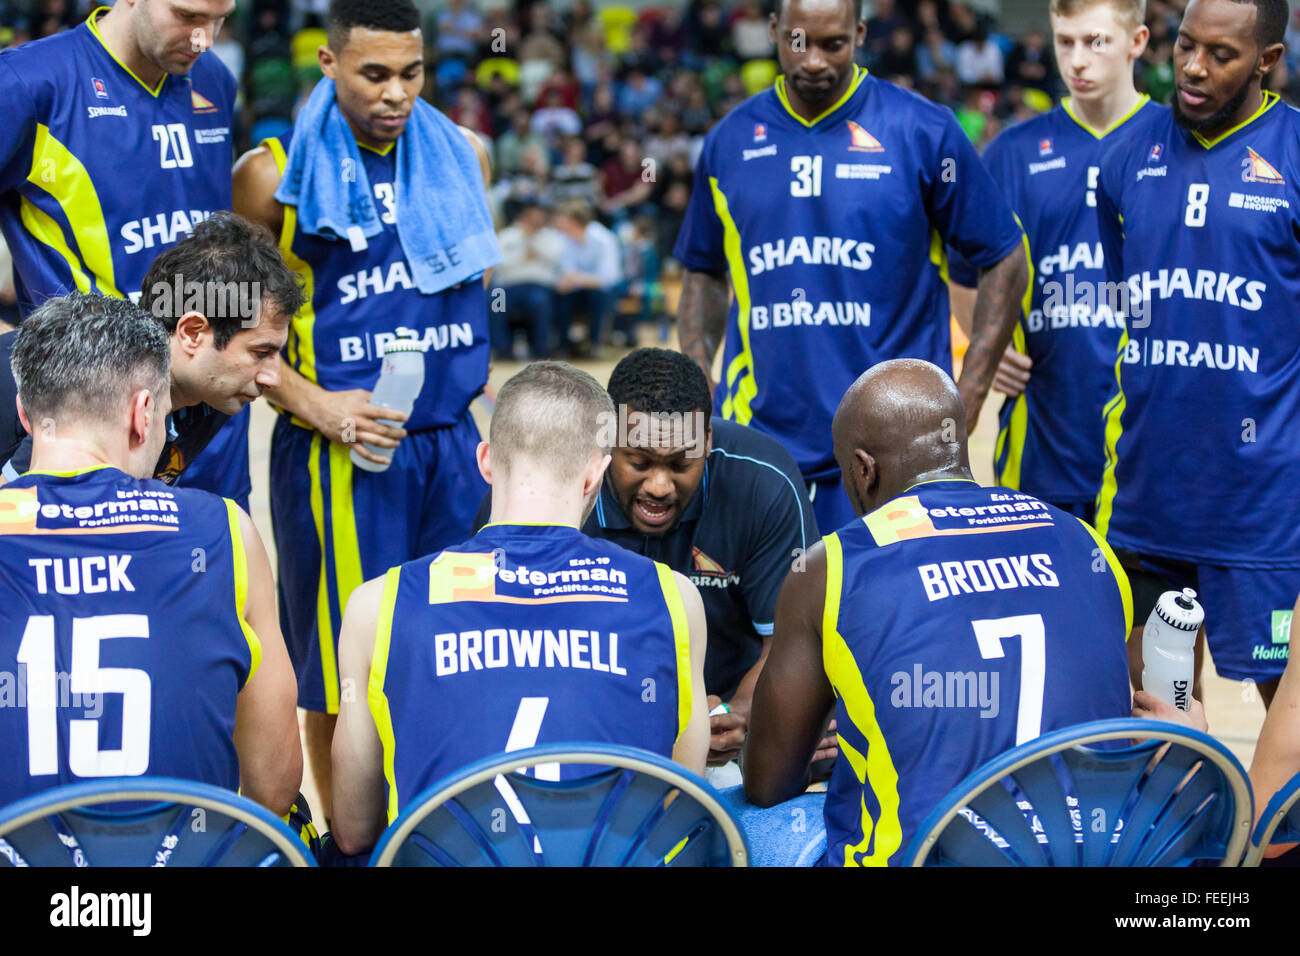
[(595, 113)]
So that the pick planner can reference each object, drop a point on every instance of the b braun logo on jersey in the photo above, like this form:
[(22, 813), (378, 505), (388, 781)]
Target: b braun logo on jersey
[(707, 573), (164, 229), (1256, 169), (861, 141), (369, 348)]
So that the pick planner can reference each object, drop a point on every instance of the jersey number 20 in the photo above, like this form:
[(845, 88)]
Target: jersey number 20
[(85, 759)]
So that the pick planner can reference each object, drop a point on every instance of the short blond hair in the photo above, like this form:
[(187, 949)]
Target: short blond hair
[(552, 415), (1132, 11)]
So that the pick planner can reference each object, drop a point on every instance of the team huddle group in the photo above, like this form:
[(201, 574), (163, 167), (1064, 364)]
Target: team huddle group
[(641, 561)]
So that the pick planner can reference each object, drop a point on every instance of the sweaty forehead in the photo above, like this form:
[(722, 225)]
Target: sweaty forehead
[(663, 435), (387, 48), (819, 17), (1220, 22)]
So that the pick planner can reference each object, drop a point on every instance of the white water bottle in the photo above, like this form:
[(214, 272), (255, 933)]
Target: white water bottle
[(1168, 641), (400, 381)]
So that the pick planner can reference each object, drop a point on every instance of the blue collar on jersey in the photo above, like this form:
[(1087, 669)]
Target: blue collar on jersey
[(94, 28), (859, 77), (1270, 100), (609, 513), (1068, 106)]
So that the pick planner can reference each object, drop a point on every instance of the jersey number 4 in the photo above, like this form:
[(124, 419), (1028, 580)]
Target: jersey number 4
[(85, 758), (990, 633)]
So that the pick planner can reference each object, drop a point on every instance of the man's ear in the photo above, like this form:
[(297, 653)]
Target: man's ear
[(191, 328), (22, 414), (865, 471), (328, 62), (595, 474), (143, 408), (483, 455), (1268, 59)]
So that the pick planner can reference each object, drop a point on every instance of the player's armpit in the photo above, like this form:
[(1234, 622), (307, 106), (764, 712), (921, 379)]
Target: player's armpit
[(357, 755), (692, 748), (266, 716), (255, 180), (793, 698)]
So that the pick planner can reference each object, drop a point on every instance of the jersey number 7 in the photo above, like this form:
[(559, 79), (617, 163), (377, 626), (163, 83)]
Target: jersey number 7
[(990, 633)]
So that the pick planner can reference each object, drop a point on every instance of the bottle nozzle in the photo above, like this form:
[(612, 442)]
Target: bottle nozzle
[(1186, 600)]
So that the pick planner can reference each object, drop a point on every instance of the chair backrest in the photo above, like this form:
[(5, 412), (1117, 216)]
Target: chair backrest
[(1059, 800), (638, 809), (1279, 823), (145, 821)]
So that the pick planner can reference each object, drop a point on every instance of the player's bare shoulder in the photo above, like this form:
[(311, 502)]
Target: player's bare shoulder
[(256, 178)]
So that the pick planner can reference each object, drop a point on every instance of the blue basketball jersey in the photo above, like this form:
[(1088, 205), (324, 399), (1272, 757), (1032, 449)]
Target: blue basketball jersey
[(1050, 441), (359, 301), (100, 173), (522, 636), (833, 233), (959, 622), (122, 640), (1202, 443)]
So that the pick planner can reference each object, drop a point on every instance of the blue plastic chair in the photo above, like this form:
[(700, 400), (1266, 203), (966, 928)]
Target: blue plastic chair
[(145, 821), (1279, 823), (488, 815), (1060, 801)]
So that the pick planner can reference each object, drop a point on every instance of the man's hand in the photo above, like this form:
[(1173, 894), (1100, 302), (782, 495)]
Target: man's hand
[(1013, 372), (350, 419), (1154, 708), (829, 747), (726, 732)]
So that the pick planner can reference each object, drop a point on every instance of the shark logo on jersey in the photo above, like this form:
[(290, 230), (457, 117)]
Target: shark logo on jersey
[(862, 141), (100, 89), (1044, 147), (1256, 169), (201, 103)]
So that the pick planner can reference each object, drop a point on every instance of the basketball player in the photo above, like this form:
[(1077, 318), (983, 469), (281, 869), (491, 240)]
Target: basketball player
[(1050, 438), (530, 633), (940, 630), (827, 201), (116, 142), (337, 525), (1199, 217), (225, 349), (140, 618)]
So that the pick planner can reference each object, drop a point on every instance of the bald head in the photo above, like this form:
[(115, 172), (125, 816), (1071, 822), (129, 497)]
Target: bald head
[(901, 422)]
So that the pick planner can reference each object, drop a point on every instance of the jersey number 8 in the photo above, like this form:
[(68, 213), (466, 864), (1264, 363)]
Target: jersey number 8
[(1198, 194)]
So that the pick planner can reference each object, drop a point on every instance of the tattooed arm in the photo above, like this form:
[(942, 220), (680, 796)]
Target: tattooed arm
[(997, 307), (702, 318)]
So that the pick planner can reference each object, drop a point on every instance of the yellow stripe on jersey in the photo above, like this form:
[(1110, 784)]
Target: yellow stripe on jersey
[(375, 696), (44, 229), (876, 770), (1113, 413), (740, 383), (859, 74), (301, 344), (94, 28), (1270, 100), (59, 173), (682, 641), (324, 620), (939, 254), (345, 553), (1011, 439), (1067, 104), (1121, 578), (241, 588)]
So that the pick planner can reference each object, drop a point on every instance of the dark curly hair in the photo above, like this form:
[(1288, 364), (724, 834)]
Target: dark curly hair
[(660, 381)]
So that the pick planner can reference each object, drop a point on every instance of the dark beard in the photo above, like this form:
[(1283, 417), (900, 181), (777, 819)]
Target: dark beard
[(1219, 118)]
